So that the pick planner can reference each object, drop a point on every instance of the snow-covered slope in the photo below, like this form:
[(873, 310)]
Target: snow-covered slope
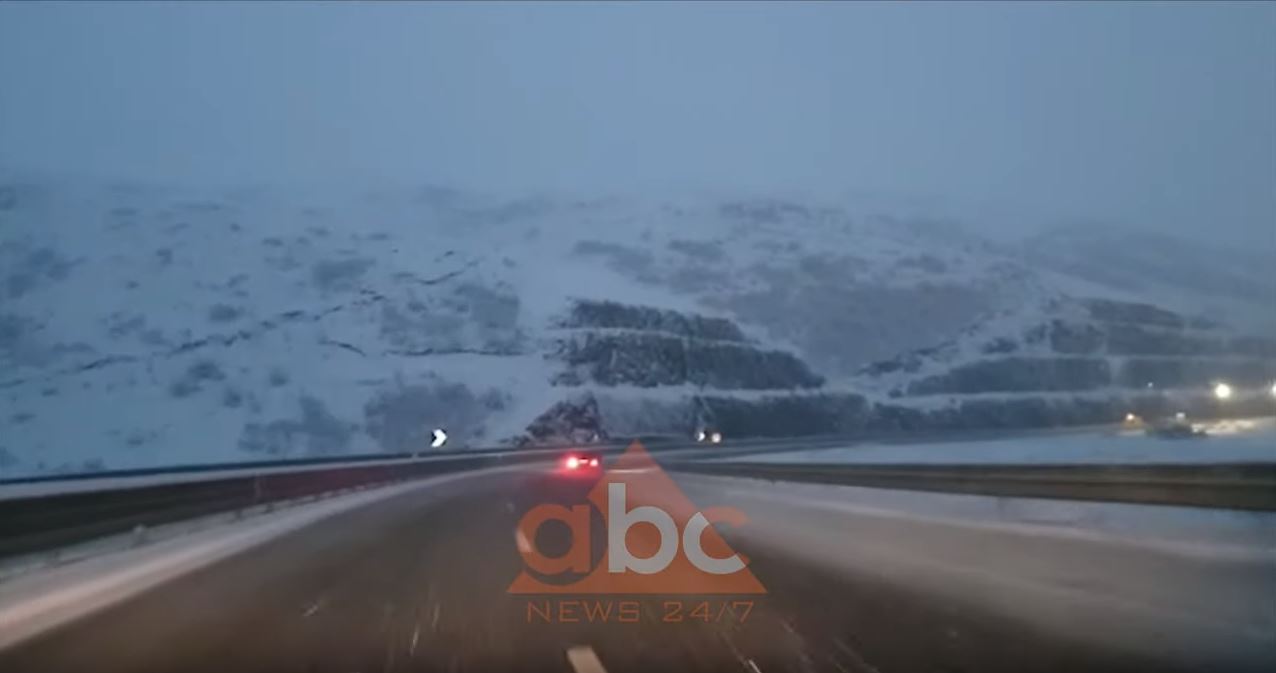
[(1231, 285), (145, 324)]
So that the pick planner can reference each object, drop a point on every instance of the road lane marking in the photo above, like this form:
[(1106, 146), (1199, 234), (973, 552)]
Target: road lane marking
[(859, 660), (314, 607), (434, 619), (752, 666), (416, 634), (583, 660)]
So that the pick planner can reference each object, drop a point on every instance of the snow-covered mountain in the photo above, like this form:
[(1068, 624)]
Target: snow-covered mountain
[(1236, 286), (143, 324)]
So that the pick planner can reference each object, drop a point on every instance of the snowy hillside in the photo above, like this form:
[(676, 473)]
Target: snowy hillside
[(1230, 285), (145, 325)]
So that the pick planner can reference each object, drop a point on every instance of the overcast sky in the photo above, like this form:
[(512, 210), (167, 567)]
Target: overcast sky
[(1158, 115)]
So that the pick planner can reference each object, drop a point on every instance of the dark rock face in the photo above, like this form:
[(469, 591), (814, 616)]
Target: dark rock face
[(728, 366), (567, 421), (612, 344), (1018, 374), (610, 314), (650, 360), (1129, 339), (646, 360), (1106, 310), (1073, 339), (1195, 372), (650, 347), (1124, 344)]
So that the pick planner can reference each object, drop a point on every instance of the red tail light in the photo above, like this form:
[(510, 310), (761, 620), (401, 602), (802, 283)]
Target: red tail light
[(573, 462), (593, 462)]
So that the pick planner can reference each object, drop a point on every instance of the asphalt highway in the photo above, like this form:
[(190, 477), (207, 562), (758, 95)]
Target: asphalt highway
[(419, 583)]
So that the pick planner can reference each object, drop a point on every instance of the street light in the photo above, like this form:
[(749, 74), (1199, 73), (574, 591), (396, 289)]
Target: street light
[(1222, 391)]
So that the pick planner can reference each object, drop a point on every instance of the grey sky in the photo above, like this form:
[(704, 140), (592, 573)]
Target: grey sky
[(1151, 114)]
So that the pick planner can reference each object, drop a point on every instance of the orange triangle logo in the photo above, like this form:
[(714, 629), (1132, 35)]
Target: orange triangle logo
[(657, 541)]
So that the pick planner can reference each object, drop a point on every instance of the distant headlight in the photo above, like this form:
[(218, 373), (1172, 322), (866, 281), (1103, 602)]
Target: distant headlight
[(1222, 391)]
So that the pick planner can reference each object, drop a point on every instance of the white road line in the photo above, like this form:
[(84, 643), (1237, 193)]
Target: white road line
[(852, 653), (752, 666), (583, 660), (416, 634), (314, 607)]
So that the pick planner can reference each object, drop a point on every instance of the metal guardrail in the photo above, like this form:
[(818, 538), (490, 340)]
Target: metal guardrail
[(48, 521), (42, 513), (1243, 486), (49, 512)]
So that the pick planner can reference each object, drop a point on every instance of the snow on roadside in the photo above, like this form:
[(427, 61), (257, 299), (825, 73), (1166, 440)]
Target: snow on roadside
[(1231, 441), (42, 599), (1190, 531), (1182, 585)]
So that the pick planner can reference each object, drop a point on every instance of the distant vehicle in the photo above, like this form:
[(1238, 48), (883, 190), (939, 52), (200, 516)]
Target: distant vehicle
[(1176, 428), (708, 436), (584, 463)]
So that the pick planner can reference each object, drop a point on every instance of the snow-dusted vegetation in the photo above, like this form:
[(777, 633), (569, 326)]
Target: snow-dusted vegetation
[(147, 324)]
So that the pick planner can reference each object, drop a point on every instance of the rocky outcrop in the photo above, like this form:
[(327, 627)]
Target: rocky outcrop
[(1093, 345), (650, 360), (1195, 372), (1107, 310), (614, 345), (610, 314), (1018, 374), (569, 421), (1127, 339), (1073, 339)]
